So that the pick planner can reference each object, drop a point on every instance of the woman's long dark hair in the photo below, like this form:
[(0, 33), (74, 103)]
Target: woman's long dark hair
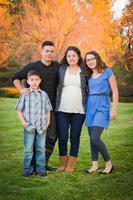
[(100, 65), (77, 51)]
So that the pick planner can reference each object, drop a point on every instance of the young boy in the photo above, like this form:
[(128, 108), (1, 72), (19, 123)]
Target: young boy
[(34, 113)]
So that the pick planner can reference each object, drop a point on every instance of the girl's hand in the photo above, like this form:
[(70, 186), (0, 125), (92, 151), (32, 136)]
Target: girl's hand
[(113, 115)]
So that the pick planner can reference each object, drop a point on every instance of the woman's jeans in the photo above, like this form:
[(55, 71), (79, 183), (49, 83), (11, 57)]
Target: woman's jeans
[(74, 121), (96, 143), (29, 140)]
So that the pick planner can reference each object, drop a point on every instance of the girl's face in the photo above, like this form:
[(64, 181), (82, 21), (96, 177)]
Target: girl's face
[(91, 61), (72, 58)]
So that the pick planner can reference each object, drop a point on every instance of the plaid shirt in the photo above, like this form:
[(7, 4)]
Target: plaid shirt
[(34, 108)]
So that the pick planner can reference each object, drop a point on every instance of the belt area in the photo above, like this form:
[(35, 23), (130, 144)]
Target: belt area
[(99, 94)]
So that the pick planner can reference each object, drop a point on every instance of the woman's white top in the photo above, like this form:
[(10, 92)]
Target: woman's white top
[(71, 97)]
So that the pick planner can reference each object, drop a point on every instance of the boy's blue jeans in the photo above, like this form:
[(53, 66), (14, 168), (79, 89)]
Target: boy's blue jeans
[(29, 140)]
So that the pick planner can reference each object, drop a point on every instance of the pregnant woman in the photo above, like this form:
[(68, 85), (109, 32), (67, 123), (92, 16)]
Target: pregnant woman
[(70, 105)]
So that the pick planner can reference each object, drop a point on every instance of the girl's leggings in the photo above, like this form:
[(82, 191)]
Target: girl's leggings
[(96, 143)]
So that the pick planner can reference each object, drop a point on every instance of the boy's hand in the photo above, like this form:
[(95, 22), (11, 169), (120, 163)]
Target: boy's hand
[(24, 124), (24, 91), (46, 126)]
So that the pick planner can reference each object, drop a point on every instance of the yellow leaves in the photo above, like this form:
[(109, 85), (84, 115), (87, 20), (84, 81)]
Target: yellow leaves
[(4, 19), (117, 40), (63, 21), (6, 2), (8, 91), (34, 33)]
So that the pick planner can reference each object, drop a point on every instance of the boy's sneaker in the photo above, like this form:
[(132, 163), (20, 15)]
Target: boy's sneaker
[(33, 172), (42, 174), (26, 174)]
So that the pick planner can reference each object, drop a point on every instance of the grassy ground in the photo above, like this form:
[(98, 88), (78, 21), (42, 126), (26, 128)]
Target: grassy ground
[(116, 186)]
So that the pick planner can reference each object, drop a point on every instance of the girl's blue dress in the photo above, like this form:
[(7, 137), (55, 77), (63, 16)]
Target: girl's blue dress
[(98, 101)]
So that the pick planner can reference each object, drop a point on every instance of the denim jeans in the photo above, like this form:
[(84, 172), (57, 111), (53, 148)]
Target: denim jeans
[(51, 138), (74, 121), (29, 140)]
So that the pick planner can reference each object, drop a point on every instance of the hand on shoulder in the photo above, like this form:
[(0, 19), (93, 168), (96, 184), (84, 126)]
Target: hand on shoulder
[(24, 91)]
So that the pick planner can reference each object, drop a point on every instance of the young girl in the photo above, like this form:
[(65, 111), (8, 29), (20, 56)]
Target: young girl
[(98, 115)]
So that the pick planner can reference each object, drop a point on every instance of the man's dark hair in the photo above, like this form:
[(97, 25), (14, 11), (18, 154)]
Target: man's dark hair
[(48, 43), (33, 73)]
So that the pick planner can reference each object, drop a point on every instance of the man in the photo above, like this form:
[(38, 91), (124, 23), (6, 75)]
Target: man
[(48, 70)]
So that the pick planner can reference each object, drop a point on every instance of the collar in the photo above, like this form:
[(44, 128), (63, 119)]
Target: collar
[(66, 66), (31, 90)]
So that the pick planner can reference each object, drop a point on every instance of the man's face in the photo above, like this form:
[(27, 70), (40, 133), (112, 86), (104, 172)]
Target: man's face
[(48, 53)]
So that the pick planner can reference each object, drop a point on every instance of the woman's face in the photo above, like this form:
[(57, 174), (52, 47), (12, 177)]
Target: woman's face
[(91, 61), (72, 57)]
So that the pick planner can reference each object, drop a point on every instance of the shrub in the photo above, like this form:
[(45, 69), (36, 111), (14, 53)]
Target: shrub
[(9, 92), (124, 80)]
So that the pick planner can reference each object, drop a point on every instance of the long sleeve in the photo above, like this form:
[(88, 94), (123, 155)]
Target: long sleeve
[(22, 74)]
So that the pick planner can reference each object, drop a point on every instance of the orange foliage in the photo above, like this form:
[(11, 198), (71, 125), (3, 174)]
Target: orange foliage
[(126, 28), (66, 22)]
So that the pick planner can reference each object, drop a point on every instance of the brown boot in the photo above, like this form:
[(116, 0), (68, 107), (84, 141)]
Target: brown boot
[(71, 164), (63, 162)]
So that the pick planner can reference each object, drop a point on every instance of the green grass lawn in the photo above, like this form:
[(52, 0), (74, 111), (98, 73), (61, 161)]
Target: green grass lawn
[(59, 186)]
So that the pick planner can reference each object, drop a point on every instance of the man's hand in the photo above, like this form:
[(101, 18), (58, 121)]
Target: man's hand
[(24, 91), (20, 86)]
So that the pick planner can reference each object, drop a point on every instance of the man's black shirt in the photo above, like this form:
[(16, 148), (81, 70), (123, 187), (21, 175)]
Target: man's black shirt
[(49, 76)]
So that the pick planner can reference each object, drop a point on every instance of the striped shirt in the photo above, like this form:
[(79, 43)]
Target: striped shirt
[(34, 108)]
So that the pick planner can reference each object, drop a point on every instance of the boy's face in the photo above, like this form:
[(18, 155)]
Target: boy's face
[(48, 53), (34, 81)]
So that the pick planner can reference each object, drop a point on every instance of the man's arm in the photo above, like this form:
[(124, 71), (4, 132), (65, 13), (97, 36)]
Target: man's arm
[(19, 85), (19, 76)]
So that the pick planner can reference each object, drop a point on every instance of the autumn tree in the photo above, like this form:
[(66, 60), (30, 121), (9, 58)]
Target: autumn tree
[(84, 23), (124, 64), (127, 34)]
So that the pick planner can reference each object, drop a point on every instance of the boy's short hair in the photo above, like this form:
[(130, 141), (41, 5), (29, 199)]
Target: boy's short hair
[(48, 43), (33, 73)]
